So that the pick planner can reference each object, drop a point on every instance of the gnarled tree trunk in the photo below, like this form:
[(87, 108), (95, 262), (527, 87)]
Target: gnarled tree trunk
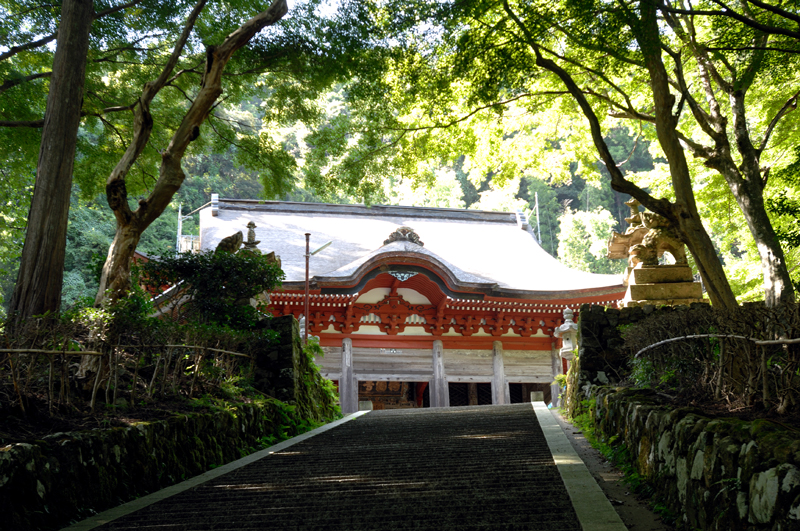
[(685, 216), (747, 185), (744, 178), (115, 280)]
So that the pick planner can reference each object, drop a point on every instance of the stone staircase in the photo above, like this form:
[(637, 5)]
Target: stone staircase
[(467, 468)]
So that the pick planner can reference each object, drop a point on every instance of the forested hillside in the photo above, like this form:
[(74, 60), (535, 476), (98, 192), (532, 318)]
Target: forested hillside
[(575, 217)]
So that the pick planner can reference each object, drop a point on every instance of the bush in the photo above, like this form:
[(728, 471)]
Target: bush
[(713, 354), (216, 288)]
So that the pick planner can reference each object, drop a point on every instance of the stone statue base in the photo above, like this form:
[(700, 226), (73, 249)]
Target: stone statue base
[(661, 285)]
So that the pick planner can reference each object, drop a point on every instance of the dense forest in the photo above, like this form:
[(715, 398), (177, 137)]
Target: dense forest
[(492, 106)]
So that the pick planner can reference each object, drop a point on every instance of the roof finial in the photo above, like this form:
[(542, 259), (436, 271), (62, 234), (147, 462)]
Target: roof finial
[(404, 234)]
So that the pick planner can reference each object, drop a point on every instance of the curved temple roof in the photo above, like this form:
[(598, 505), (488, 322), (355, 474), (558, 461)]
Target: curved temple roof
[(475, 249)]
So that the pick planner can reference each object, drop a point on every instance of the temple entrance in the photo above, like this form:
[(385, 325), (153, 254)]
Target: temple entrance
[(521, 392), (392, 394), (470, 394)]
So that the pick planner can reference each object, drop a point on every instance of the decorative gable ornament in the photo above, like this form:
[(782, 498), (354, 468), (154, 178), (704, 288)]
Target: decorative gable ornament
[(404, 234), (402, 276)]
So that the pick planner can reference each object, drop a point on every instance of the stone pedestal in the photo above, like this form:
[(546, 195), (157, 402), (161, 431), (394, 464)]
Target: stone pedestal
[(662, 285)]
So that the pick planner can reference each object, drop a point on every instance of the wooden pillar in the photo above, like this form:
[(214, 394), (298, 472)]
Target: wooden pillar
[(348, 385), (440, 393), (555, 362), (500, 391), (472, 392)]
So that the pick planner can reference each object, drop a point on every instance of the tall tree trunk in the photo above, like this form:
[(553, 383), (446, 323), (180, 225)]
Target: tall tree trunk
[(38, 287), (685, 214), (749, 194), (778, 286), (744, 179), (117, 269), (747, 184)]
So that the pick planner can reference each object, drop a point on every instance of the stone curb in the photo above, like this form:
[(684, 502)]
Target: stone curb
[(594, 511)]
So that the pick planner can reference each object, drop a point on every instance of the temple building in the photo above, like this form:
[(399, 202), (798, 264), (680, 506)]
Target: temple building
[(419, 306)]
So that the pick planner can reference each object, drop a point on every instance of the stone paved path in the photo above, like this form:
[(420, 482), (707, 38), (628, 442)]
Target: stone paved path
[(470, 468)]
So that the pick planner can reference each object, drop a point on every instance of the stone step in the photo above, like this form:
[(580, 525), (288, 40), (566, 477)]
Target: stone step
[(660, 274), (675, 290), (470, 468)]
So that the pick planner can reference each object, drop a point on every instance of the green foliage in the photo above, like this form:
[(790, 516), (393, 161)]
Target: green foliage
[(444, 191), (464, 89), (215, 288), (271, 86), (89, 235), (16, 191), (287, 423), (325, 391), (583, 244)]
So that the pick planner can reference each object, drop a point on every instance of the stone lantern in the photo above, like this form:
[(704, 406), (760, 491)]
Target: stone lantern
[(568, 332)]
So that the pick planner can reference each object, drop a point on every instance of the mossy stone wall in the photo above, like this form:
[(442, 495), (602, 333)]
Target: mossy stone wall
[(287, 373), (48, 483), (69, 476), (275, 373), (713, 473)]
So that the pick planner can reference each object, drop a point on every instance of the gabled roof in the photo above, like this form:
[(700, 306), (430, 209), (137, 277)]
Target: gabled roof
[(475, 249)]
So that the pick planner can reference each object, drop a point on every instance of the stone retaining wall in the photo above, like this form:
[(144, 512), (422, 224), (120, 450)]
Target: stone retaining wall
[(714, 473), (64, 477), (69, 476), (601, 360)]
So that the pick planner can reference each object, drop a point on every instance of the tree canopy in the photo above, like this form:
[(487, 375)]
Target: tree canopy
[(476, 103), (127, 133), (518, 88)]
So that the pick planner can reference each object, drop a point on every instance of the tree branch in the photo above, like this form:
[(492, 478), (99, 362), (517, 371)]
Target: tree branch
[(116, 192), (475, 111), (14, 50), (789, 106), (596, 73), (36, 124), (618, 181), (110, 126), (778, 11), (170, 174), (40, 123), (112, 10), (745, 48), (176, 87), (730, 13), (35, 8), (242, 125), (20, 80)]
